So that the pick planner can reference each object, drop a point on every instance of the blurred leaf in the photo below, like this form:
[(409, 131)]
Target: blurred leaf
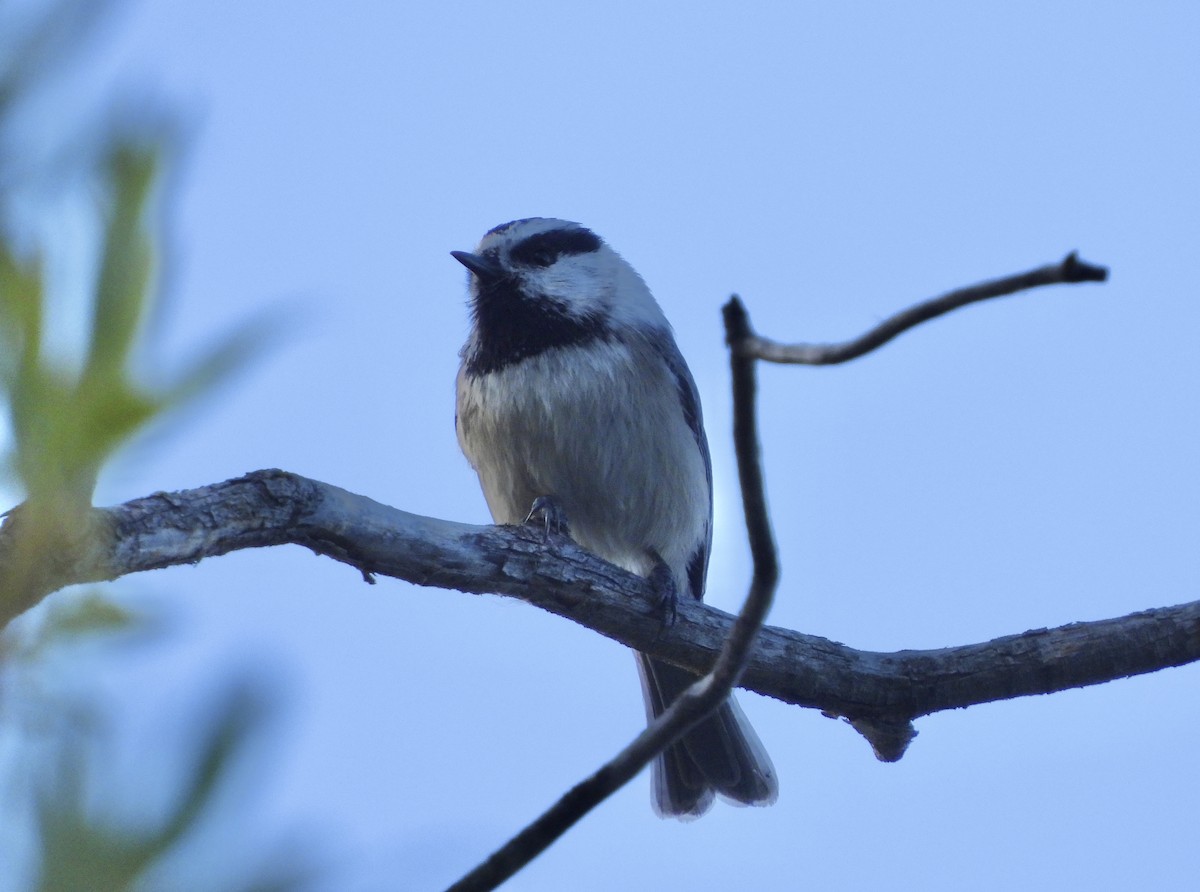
[(29, 50), (77, 852), (123, 289), (21, 311), (84, 850), (93, 613), (70, 415), (235, 719), (65, 425), (67, 418)]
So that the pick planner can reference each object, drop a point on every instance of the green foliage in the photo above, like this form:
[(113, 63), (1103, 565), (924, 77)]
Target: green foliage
[(89, 816), (68, 416), (66, 425), (82, 849), (84, 617)]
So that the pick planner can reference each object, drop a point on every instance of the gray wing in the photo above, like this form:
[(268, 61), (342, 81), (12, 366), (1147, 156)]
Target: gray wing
[(689, 399)]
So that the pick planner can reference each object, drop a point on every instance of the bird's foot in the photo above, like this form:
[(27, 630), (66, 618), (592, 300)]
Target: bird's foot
[(663, 581), (549, 514)]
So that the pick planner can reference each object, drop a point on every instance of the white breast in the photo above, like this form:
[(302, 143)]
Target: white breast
[(601, 430)]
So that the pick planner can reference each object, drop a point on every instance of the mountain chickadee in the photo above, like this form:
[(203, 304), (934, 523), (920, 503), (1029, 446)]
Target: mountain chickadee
[(572, 393)]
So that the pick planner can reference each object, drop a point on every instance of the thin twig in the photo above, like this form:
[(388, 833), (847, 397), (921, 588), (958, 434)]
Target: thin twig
[(749, 464), (1070, 270), (703, 696)]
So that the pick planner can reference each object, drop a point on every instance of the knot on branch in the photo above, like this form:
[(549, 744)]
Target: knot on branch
[(889, 738)]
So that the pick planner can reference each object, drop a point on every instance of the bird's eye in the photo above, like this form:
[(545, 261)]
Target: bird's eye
[(534, 253), (543, 249)]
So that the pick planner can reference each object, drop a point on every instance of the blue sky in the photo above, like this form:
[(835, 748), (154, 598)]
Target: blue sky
[(1021, 464)]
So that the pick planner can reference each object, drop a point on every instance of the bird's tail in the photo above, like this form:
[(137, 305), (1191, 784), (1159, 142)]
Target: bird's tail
[(722, 754)]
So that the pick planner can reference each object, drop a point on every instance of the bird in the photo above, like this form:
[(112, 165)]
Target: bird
[(573, 398)]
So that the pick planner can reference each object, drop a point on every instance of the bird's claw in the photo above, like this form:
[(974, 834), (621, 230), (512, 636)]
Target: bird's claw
[(548, 514), (663, 581)]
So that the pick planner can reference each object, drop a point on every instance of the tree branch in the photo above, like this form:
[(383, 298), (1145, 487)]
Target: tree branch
[(275, 507), (1071, 270)]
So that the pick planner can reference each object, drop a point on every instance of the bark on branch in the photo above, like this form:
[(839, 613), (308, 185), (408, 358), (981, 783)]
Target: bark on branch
[(878, 692)]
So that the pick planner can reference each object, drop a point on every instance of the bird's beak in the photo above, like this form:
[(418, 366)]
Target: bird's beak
[(480, 266)]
